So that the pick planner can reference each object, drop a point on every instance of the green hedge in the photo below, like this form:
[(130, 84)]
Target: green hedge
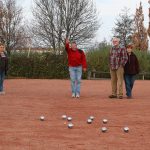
[(98, 60), (144, 61), (38, 65), (49, 66)]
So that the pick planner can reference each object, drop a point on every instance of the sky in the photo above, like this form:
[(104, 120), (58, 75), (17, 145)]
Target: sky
[(108, 11)]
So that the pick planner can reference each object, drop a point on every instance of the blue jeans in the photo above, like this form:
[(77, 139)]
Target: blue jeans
[(2, 77), (75, 76), (129, 82)]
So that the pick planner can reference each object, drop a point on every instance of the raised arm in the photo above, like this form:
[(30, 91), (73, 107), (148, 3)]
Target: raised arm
[(67, 45)]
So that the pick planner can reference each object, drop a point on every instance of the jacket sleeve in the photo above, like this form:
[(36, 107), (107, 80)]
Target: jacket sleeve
[(67, 47), (124, 57), (6, 63), (84, 63)]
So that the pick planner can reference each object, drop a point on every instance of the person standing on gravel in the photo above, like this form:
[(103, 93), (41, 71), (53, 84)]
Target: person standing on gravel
[(117, 60)]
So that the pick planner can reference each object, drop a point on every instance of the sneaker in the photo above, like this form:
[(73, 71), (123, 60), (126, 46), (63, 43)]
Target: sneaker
[(2, 93), (78, 96), (73, 95), (112, 96)]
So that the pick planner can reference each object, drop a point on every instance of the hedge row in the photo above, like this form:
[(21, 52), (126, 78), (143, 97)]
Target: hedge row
[(98, 60), (50, 66), (38, 65)]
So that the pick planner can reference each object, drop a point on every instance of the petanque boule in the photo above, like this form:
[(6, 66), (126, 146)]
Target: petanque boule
[(42, 118), (126, 129), (89, 121), (91, 117), (104, 129), (64, 117), (70, 125), (105, 121), (69, 118)]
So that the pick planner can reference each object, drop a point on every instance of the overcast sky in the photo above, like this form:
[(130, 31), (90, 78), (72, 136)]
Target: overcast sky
[(108, 12)]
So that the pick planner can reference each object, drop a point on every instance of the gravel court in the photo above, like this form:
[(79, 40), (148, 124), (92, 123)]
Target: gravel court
[(26, 100)]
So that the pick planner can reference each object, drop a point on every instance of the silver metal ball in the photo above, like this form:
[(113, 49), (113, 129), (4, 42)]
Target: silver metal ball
[(70, 125), (64, 117), (89, 121), (42, 118), (104, 129), (105, 121), (91, 117), (69, 118), (126, 129)]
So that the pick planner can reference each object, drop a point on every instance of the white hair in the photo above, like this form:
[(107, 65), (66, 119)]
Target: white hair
[(115, 38)]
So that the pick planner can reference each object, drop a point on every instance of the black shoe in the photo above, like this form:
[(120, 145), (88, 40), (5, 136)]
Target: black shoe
[(112, 96)]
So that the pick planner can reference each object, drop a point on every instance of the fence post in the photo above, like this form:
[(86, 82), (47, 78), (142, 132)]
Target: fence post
[(89, 75), (94, 73), (143, 77)]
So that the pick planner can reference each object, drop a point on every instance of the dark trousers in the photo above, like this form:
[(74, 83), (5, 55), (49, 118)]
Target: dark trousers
[(2, 76), (129, 82)]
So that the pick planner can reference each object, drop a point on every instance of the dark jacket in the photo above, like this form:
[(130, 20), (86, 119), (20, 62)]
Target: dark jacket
[(132, 65), (3, 62)]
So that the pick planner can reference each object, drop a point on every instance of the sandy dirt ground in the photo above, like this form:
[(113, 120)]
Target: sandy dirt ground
[(26, 100)]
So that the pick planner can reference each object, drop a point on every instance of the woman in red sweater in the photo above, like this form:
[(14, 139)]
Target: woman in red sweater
[(77, 63)]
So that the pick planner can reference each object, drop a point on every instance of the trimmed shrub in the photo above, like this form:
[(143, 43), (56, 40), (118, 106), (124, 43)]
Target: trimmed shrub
[(50, 66), (38, 65)]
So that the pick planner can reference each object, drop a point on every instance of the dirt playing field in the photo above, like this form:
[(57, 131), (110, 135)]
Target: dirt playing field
[(26, 100)]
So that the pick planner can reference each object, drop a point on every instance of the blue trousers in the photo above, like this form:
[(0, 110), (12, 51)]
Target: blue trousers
[(129, 82), (2, 77), (75, 76)]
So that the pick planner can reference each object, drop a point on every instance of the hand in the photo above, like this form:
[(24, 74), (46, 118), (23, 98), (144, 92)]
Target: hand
[(67, 41), (84, 69)]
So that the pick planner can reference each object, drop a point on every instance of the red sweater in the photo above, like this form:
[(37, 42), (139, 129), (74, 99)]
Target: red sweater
[(75, 58)]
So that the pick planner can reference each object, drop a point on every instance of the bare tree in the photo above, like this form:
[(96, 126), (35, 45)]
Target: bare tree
[(58, 19), (124, 27), (11, 27)]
